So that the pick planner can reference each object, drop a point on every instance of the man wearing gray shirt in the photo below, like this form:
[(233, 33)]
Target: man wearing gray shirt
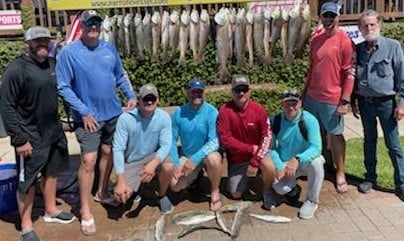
[(379, 90)]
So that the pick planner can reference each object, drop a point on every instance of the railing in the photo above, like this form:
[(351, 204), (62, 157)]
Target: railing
[(351, 9)]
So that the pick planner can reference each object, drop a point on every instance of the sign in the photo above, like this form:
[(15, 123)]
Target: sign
[(272, 4), (55, 5), (354, 33), (10, 20)]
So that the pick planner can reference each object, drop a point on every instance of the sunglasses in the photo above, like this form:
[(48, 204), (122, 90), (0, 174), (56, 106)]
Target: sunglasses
[(296, 95), (241, 88), (92, 22), (292, 103), (149, 98), (329, 15)]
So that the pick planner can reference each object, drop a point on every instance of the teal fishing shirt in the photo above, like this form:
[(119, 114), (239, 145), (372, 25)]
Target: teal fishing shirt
[(196, 130), (289, 142), (137, 137)]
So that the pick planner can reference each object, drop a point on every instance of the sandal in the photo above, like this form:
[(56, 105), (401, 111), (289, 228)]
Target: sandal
[(110, 200), (215, 203), (88, 227)]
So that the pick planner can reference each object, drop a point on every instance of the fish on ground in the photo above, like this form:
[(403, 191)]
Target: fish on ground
[(159, 228), (196, 219), (236, 206), (238, 221), (221, 221), (189, 229), (271, 218)]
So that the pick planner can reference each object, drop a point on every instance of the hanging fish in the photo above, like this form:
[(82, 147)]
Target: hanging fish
[(204, 28), (222, 44), (194, 33), (240, 38), (173, 32), (165, 35), (249, 36), (183, 35)]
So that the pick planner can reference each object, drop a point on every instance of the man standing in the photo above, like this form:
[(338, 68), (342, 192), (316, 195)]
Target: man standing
[(244, 132), (142, 143), (29, 107), (329, 85), (195, 125), (88, 72), (379, 91), (296, 151)]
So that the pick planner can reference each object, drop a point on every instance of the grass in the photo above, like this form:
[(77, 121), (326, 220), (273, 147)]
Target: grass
[(354, 162)]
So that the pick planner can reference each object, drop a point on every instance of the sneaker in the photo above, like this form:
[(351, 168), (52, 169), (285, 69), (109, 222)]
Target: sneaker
[(269, 201), (138, 198), (400, 192), (59, 217), (165, 205), (30, 236), (365, 187), (293, 196), (308, 209)]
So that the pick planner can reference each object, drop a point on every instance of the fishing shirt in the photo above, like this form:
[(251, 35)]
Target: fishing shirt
[(240, 129), (332, 67), (290, 143), (137, 137), (29, 102), (381, 73), (196, 129), (87, 79)]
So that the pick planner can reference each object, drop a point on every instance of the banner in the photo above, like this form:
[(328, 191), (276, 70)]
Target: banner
[(10, 20), (354, 33), (94, 4)]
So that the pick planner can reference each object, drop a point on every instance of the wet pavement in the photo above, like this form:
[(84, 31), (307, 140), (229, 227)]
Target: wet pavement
[(351, 216)]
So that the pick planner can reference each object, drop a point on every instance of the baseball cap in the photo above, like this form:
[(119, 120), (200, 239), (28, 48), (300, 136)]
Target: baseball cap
[(148, 89), (329, 7), (37, 32), (290, 94), (240, 79), (89, 14), (196, 84)]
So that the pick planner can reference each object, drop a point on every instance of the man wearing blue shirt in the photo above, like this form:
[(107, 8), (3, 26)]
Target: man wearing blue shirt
[(379, 90), (141, 145), (88, 72), (194, 124), (296, 154)]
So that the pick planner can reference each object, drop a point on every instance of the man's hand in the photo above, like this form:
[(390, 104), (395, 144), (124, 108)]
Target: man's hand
[(188, 167), (399, 113), (122, 192), (291, 167), (342, 109), (251, 171), (280, 174), (147, 172), (24, 150), (90, 124), (255, 149), (132, 103)]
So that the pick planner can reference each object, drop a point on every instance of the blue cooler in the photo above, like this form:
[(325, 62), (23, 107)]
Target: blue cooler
[(8, 188)]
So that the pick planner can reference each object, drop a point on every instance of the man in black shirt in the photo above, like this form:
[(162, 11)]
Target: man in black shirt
[(29, 108)]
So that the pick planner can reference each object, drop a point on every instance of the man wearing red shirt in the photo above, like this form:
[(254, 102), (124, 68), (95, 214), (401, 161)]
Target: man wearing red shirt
[(244, 131), (329, 85)]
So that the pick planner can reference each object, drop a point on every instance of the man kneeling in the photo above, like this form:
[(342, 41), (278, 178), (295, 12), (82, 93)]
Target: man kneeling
[(296, 151), (141, 144)]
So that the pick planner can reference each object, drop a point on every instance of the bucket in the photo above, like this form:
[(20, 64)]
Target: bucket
[(8, 188)]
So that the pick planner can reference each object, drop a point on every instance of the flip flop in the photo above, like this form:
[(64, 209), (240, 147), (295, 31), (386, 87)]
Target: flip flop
[(342, 187), (215, 203), (87, 227)]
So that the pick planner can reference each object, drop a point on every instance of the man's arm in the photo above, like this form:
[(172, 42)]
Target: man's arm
[(120, 140), (348, 67), (398, 67), (174, 148), (266, 137), (165, 138), (122, 77), (313, 137)]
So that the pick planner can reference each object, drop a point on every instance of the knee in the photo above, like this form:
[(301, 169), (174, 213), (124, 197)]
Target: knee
[(214, 159), (106, 150), (88, 164), (266, 165), (167, 167), (236, 195)]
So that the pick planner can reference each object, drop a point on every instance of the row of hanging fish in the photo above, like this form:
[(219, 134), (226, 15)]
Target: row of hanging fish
[(237, 33)]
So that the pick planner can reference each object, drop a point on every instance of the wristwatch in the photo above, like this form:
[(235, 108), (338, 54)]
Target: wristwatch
[(345, 102)]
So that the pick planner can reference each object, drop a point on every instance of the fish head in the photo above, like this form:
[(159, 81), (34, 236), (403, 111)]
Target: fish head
[(185, 17), (276, 12), (194, 16), (156, 18)]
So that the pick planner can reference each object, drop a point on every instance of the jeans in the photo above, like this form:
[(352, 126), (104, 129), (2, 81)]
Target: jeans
[(385, 112)]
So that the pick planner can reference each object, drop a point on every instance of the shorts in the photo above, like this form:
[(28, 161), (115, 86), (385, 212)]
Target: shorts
[(47, 161), (193, 176), (326, 115), (132, 170), (238, 180), (90, 142)]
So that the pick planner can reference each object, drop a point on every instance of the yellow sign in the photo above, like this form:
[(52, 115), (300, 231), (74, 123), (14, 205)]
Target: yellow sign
[(94, 4)]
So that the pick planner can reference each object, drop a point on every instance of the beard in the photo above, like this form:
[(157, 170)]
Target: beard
[(371, 35), (197, 101), (40, 52)]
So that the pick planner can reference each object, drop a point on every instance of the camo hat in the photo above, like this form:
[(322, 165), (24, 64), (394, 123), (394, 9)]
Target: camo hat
[(240, 79), (330, 7), (148, 89), (89, 14), (290, 94), (37, 32)]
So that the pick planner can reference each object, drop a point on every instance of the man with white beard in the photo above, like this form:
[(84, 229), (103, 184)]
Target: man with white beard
[(194, 124), (379, 93)]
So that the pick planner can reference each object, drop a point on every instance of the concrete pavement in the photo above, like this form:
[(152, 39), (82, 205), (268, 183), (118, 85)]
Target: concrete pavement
[(351, 216)]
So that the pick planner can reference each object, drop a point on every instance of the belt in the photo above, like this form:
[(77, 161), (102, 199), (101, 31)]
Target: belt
[(377, 99)]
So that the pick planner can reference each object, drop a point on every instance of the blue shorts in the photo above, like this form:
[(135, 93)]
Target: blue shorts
[(326, 115)]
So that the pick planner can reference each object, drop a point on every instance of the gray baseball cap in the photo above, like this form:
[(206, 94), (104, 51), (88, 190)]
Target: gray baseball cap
[(240, 79), (148, 89), (37, 32)]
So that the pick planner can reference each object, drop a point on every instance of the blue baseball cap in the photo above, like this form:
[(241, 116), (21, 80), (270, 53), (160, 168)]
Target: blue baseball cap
[(196, 84), (329, 7)]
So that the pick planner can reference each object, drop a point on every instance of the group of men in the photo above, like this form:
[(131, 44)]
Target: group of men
[(142, 142)]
